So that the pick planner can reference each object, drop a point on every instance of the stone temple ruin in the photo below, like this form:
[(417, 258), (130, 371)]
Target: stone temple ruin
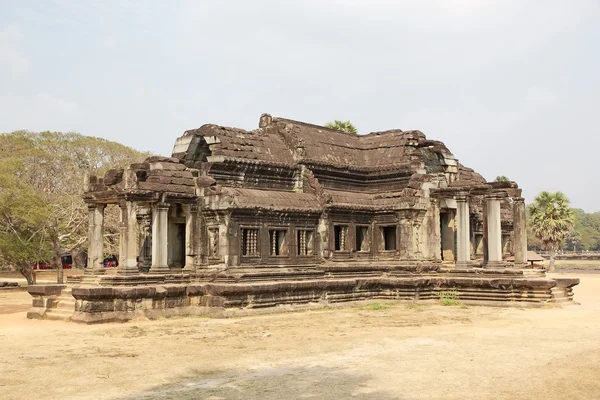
[(293, 213)]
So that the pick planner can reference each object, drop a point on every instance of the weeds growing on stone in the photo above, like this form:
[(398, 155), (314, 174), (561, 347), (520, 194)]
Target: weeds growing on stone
[(449, 297)]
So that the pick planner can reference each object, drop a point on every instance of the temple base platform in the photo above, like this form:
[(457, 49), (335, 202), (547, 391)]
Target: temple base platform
[(234, 292)]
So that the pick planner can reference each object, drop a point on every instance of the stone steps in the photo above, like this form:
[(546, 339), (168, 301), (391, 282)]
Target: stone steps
[(559, 295), (65, 306)]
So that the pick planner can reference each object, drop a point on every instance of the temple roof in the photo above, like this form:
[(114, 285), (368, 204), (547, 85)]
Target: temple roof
[(288, 142), (292, 165)]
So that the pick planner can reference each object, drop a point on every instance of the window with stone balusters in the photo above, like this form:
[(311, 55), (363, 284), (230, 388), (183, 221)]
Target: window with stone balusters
[(278, 242), (363, 242), (250, 245), (387, 238), (340, 233), (305, 242)]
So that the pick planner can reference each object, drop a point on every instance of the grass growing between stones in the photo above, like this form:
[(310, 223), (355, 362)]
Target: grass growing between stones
[(449, 298)]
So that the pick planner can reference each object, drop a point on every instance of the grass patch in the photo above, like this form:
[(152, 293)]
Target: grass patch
[(413, 305), (449, 297), (375, 306)]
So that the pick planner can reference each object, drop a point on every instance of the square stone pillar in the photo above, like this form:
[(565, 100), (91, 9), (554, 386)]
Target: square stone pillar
[(95, 264), (520, 231), (191, 214), (128, 240), (494, 231), (160, 215), (463, 235)]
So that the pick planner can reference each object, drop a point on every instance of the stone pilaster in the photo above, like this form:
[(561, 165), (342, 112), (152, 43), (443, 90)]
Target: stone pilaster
[(405, 235), (160, 215), (191, 213), (520, 231), (494, 231), (463, 236), (436, 243), (323, 232), (95, 263)]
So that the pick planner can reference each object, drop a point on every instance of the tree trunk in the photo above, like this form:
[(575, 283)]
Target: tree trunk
[(28, 272), (57, 261), (79, 258), (551, 264)]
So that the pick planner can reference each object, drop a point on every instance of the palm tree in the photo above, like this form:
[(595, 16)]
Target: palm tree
[(345, 126), (551, 221)]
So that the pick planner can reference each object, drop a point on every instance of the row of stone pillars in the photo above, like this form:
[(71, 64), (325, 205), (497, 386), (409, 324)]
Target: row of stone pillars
[(128, 247), (492, 231)]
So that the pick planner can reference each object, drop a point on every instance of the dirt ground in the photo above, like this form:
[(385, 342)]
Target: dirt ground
[(367, 351)]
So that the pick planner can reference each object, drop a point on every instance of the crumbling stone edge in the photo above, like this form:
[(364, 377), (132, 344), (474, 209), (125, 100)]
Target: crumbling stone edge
[(219, 300)]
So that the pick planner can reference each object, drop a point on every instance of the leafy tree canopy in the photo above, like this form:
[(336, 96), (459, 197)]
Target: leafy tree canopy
[(551, 220), (501, 178), (48, 170)]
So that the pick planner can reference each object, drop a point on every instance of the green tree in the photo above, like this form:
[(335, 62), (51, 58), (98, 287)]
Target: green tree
[(574, 240), (53, 166), (501, 178), (345, 126), (551, 221), (23, 221)]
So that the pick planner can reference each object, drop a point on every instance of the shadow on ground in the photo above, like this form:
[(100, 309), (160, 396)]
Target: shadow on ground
[(269, 384)]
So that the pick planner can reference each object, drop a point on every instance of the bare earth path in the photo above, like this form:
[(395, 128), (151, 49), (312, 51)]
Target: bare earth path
[(402, 352)]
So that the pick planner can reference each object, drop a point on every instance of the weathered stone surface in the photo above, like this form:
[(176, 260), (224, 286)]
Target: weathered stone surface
[(296, 213)]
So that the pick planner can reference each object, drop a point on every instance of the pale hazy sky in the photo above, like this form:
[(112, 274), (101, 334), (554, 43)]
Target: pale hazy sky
[(511, 87)]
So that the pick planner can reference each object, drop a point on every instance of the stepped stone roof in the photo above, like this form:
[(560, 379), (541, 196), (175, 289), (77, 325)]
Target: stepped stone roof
[(289, 142), (294, 166)]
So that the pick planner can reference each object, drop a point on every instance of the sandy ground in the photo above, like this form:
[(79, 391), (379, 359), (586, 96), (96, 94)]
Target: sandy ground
[(363, 351)]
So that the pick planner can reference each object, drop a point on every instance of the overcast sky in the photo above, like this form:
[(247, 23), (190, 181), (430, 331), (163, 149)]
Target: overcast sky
[(511, 87)]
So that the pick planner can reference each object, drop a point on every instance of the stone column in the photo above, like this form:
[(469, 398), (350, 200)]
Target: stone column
[(520, 231), (436, 240), (95, 263), (128, 245), (160, 214), (191, 213), (494, 231), (463, 236)]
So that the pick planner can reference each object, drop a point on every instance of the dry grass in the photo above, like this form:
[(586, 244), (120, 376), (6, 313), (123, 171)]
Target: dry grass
[(382, 350)]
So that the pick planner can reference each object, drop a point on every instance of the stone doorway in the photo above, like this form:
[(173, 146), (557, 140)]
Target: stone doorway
[(448, 236), (176, 245)]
